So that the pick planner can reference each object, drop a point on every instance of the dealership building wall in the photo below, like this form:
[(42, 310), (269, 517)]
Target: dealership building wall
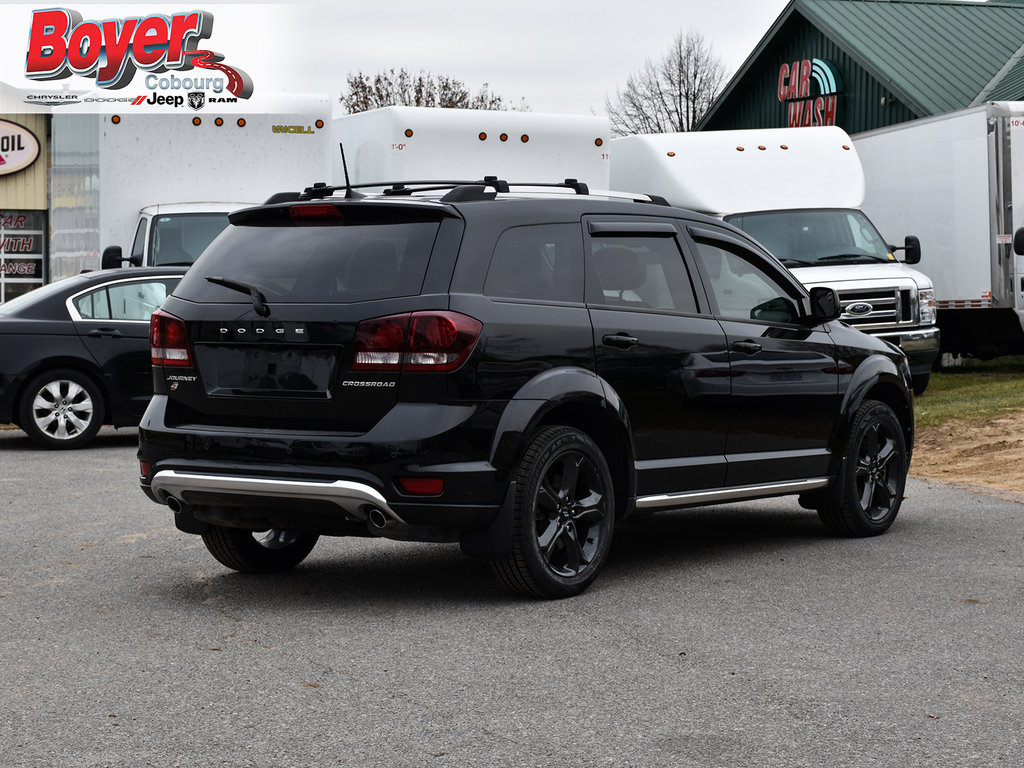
[(24, 225), (866, 64)]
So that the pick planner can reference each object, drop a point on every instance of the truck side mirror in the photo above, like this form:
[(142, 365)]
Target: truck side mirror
[(1018, 242), (912, 248), (825, 304), (111, 258)]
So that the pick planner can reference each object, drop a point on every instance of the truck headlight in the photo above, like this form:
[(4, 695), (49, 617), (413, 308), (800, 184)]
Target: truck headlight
[(926, 306)]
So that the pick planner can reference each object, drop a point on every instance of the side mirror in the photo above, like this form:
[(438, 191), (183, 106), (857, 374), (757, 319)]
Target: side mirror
[(912, 246), (825, 304), (912, 250), (1018, 242), (111, 258)]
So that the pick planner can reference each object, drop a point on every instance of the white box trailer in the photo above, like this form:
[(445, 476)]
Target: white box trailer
[(424, 144), (798, 191), (144, 181), (954, 179)]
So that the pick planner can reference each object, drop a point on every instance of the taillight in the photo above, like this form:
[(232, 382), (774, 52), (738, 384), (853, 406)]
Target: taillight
[(420, 341), (167, 340)]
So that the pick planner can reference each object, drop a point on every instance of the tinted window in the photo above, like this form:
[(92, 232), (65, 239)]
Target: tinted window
[(181, 238), (640, 272), (135, 300), (309, 264), (540, 262), (741, 289)]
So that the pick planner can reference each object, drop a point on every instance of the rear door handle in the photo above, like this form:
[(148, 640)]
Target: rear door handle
[(97, 333), (747, 347), (620, 341)]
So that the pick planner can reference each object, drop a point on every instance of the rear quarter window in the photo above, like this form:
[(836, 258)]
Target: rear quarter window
[(316, 264), (542, 262)]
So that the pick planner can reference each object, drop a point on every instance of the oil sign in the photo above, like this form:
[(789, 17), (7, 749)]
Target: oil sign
[(19, 148)]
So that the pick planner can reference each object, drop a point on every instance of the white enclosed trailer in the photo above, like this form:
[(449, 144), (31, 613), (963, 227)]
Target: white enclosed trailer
[(954, 179), (798, 191), (420, 144), (139, 179)]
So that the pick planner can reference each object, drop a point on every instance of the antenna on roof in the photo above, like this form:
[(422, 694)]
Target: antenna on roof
[(349, 192)]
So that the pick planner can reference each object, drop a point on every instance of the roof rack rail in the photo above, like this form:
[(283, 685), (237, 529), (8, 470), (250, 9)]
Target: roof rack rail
[(393, 188), (486, 188)]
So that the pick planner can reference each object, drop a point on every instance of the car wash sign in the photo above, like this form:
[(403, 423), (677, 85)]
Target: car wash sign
[(809, 89), (19, 148)]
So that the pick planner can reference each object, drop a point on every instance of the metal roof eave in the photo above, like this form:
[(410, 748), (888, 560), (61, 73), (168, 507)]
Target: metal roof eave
[(798, 6)]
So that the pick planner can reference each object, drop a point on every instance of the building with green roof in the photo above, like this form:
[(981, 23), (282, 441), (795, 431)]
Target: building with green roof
[(865, 64)]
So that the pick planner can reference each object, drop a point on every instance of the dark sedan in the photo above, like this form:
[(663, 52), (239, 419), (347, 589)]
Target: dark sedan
[(74, 354)]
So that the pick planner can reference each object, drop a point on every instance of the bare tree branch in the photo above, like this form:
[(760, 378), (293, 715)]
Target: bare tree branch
[(391, 88), (670, 94)]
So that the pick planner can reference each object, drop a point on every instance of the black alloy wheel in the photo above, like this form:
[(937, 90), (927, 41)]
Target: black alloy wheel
[(873, 475), (564, 515)]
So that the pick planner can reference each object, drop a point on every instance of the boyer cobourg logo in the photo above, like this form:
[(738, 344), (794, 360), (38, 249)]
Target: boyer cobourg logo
[(112, 51)]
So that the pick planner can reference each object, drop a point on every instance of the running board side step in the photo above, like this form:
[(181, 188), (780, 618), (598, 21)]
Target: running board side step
[(739, 493)]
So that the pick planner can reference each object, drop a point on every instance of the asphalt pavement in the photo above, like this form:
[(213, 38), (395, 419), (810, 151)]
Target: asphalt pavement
[(741, 635)]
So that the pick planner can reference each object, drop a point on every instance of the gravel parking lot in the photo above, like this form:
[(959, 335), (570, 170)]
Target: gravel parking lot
[(737, 635)]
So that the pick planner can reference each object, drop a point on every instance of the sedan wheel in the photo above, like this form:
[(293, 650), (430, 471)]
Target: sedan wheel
[(61, 409)]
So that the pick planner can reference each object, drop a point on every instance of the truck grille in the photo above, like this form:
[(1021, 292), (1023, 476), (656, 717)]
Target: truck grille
[(877, 308)]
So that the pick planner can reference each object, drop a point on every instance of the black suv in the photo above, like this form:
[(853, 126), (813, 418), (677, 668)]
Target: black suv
[(517, 372)]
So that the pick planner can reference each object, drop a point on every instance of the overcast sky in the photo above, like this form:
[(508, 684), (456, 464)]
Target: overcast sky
[(558, 55)]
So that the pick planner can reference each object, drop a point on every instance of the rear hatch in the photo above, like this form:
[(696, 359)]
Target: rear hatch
[(300, 316)]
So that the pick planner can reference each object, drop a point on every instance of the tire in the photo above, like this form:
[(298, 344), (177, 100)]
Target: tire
[(61, 409), (920, 382), (563, 516), (258, 552), (867, 495)]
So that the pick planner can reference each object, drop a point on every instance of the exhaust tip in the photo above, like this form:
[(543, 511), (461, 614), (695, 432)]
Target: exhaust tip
[(174, 504), (377, 518)]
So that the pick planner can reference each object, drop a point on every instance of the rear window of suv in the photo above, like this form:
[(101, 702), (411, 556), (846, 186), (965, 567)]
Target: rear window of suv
[(316, 263)]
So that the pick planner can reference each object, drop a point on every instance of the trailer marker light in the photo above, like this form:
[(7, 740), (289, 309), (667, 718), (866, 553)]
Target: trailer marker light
[(739, 149), (241, 122), (319, 123), (846, 146), (783, 146), (504, 137), (197, 121), (524, 138), (408, 133), (219, 121), (482, 136), (762, 147), (671, 154), (115, 119), (598, 142)]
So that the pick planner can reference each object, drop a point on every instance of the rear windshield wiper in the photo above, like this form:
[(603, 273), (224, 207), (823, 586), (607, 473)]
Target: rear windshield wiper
[(259, 301)]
